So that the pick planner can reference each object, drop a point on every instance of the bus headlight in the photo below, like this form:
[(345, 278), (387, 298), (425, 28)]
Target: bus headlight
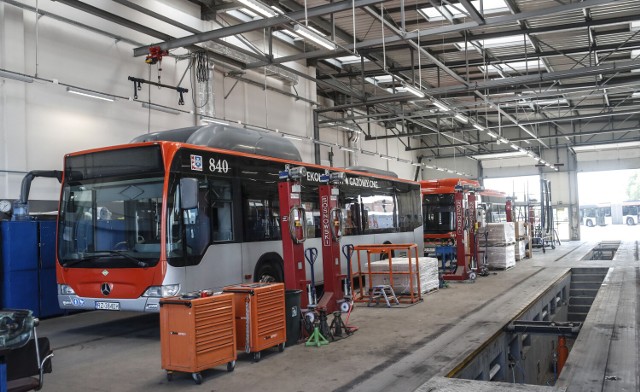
[(64, 289), (162, 291)]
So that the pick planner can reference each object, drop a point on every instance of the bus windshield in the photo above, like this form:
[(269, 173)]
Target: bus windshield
[(439, 213), (109, 218)]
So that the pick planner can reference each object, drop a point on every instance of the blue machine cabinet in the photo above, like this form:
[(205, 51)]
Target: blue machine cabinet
[(27, 267)]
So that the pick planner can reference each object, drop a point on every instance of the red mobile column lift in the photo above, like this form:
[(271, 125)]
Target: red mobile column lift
[(293, 227), (464, 202), (508, 208), (331, 231)]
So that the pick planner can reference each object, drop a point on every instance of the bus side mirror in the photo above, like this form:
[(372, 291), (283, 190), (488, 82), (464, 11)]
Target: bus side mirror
[(188, 193)]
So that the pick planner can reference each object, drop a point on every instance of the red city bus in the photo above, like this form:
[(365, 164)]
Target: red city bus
[(449, 210), (438, 208), (125, 241)]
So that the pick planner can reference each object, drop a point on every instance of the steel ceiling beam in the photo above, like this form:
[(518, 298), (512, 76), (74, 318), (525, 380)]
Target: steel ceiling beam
[(254, 25), (614, 67), (134, 26), (438, 31), (482, 62), (473, 12), (517, 140), (454, 75), (154, 33)]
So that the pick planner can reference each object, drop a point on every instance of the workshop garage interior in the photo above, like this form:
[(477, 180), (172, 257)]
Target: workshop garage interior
[(310, 195)]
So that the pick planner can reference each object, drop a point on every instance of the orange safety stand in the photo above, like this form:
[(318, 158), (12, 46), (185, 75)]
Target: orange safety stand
[(197, 334), (360, 295)]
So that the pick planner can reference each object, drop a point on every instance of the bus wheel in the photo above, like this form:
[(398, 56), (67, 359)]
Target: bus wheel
[(630, 221), (269, 273)]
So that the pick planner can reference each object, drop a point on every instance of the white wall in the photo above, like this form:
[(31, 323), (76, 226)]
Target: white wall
[(40, 121)]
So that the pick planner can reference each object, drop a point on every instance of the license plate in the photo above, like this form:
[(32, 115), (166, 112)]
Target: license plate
[(107, 305)]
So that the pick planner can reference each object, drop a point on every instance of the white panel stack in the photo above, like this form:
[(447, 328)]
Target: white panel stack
[(501, 257), (520, 230), (428, 267), (497, 234), (520, 250), (500, 244)]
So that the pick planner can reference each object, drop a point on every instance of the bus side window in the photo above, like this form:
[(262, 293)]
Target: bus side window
[(222, 216), (198, 223)]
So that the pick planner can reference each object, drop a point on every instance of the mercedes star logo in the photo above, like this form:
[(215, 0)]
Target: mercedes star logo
[(106, 288)]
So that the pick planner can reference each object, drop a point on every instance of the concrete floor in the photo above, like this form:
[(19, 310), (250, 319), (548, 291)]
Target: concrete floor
[(398, 349)]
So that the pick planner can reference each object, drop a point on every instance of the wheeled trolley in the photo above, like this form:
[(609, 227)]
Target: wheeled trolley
[(260, 316), (197, 333)]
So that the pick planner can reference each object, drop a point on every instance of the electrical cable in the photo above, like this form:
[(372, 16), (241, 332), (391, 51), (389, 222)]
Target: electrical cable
[(201, 62), (202, 66)]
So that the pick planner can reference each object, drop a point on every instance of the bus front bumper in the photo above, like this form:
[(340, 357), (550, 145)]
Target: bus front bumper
[(142, 304)]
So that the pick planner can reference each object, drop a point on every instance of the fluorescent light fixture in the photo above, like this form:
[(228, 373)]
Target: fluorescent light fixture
[(249, 12), (371, 153), (439, 169), (478, 127), (387, 157), (503, 140), (16, 76), (160, 108), (284, 135), (493, 135), (277, 9), (515, 147), (414, 91), (542, 161), (213, 121), (440, 106), (343, 148), (418, 164), (404, 160), (318, 39), (500, 155), (608, 146), (429, 167), (349, 129), (462, 118), (260, 8), (91, 94), (323, 143)]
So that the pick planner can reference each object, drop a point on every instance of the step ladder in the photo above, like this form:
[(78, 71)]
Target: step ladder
[(382, 291)]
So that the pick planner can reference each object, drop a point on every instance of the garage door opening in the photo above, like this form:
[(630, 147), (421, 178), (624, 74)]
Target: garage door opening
[(609, 205)]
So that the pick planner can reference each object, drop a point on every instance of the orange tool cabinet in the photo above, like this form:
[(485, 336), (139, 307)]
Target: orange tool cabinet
[(260, 316), (197, 334)]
